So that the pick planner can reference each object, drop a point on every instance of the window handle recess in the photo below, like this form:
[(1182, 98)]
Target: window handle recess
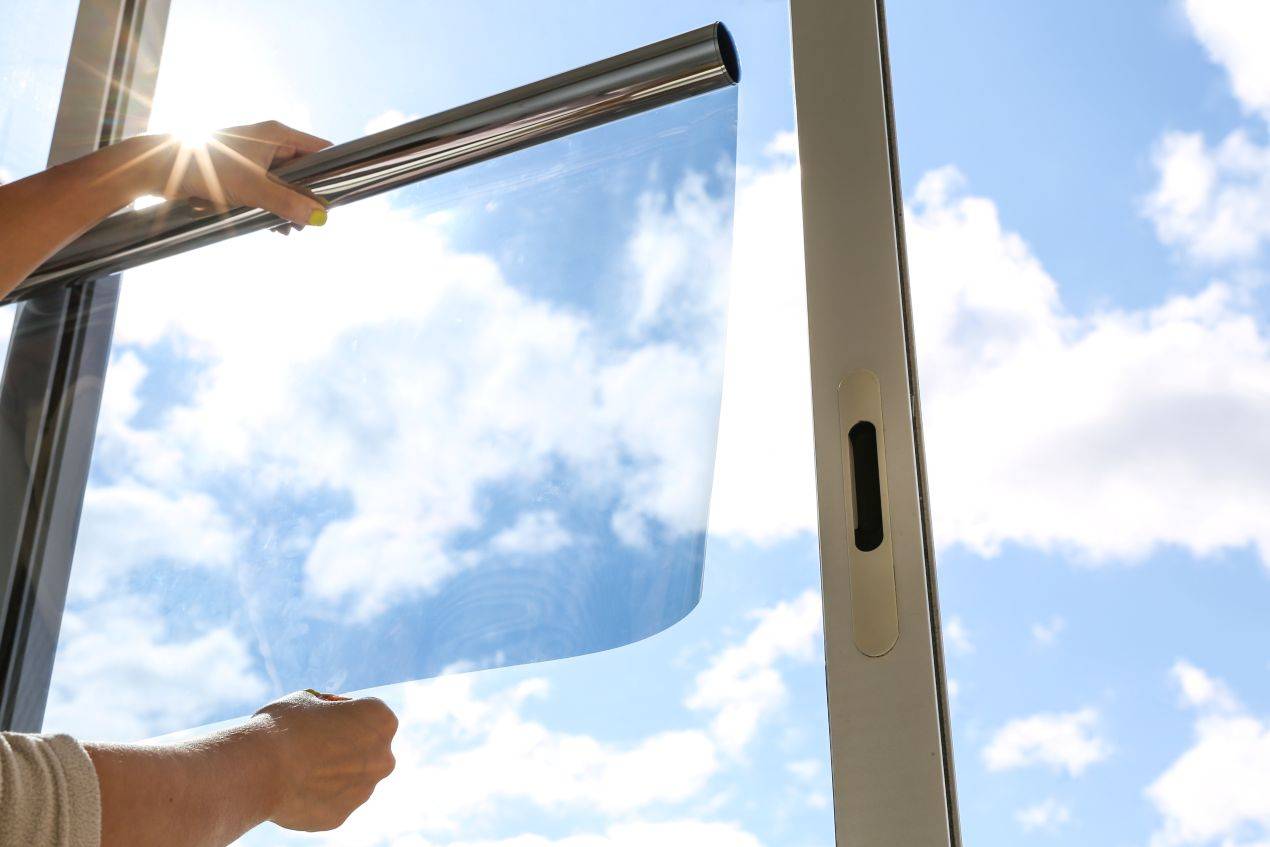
[(866, 486), (871, 565)]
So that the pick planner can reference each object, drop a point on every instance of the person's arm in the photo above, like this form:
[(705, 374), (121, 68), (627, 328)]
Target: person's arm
[(304, 762), (46, 211)]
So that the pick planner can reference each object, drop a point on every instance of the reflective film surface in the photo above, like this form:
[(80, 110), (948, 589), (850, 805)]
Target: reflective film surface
[(467, 424)]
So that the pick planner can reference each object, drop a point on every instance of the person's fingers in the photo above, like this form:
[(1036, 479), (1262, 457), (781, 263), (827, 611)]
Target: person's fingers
[(269, 143), (283, 200), (302, 142), (378, 711), (299, 188), (286, 142), (387, 764), (278, 134), (287, 151)]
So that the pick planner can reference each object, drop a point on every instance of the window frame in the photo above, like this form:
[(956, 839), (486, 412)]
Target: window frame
[(889, 733), (49, 405), (891, 754)]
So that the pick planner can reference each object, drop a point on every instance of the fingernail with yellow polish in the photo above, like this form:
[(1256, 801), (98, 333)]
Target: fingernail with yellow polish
[(317, 217)]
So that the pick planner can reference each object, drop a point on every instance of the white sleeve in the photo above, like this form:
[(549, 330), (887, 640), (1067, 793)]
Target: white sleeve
[(49, 795)]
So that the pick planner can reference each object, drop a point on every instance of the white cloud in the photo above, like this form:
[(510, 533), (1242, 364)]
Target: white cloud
[(783, 144), (406, 552), (127, 525), (1233, 32), (1046, 633), (742, 684), (1199, 690), (532, 533), (122, 673), (805, 769), (765, 486), (1047, 816), (957, 636), (1062, 741), (1041, 425), (681, 243), (671, 479), (1218, 790), (1212, 203), (387, 120)]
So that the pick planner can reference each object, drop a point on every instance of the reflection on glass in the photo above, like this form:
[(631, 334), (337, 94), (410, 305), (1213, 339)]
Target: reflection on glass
[(466, 425), (34, 41)]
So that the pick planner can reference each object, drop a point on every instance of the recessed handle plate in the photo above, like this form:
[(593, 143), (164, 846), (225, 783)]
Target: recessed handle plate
[(874, 611)]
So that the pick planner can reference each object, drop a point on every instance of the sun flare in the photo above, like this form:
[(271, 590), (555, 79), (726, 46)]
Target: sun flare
[(193, 137)]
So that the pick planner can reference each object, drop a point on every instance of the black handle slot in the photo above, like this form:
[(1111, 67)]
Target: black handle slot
[(867, 485)]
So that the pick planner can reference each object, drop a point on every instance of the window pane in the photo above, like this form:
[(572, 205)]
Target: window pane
[(711, 732), (1093, 372), (34, 42)]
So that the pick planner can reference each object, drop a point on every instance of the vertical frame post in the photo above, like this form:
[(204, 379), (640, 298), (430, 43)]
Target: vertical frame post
[(888, 715), (50, 393)]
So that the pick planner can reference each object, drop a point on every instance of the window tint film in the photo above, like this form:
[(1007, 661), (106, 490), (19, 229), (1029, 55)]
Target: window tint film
[(468, 424)]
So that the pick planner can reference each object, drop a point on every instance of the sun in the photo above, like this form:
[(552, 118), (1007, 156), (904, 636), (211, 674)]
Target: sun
[(194, 97), (192, 136)]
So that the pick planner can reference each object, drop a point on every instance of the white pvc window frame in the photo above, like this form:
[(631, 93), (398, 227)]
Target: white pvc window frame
[(890, 740), (888, 713)]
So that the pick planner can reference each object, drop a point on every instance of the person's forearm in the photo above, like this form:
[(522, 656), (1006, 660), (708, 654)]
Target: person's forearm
[(205, 793), (46, 211)]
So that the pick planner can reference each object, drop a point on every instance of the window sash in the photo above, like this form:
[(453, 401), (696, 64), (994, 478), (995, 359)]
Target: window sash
[(888, 711)]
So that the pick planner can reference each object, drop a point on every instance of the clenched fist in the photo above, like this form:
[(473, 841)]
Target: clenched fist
[(330, 752)]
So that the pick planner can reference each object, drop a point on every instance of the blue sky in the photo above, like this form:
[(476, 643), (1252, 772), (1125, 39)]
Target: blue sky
[(1087, 190)]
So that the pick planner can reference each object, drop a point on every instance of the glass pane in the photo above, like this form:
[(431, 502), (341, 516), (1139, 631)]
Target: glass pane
[(34, 42), (711, 732), (1093, 375)]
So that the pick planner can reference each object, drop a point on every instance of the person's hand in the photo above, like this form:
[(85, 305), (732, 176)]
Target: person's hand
[(328, 753), (44, 212), (231, 169)]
